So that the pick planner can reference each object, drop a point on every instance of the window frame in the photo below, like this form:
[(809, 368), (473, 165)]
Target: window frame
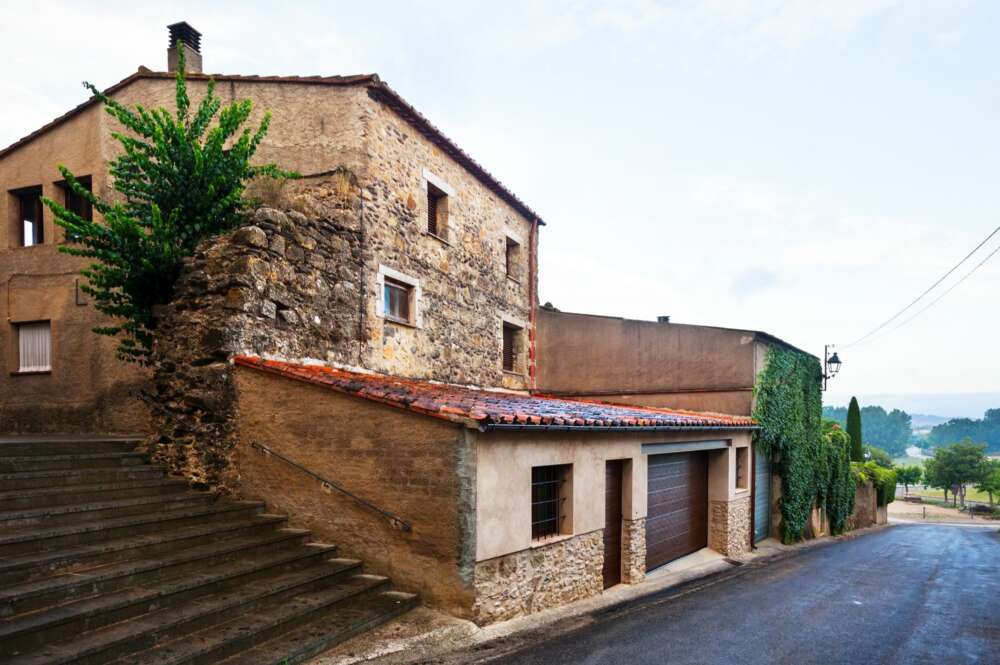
[(21, 195), (437, 201), (512, 254), (394, 277), (517, 344), (389, 285), (550, 507), (19, 368), (741, 469)]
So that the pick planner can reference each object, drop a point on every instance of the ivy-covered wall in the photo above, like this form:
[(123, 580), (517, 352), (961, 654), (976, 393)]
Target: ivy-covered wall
[(813, 462)]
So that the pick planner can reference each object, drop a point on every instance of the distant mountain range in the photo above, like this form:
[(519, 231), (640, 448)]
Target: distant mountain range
[(945, 406)]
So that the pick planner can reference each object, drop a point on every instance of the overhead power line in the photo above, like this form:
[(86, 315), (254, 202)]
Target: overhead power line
[(928, 290), (949, 289)]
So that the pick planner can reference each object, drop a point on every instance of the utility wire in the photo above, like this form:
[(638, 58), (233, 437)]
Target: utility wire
[(929, 289), (949, 290)]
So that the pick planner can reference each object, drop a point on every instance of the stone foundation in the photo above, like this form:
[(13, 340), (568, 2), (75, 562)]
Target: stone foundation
[(633, 550), (546, 576), (729, 526)]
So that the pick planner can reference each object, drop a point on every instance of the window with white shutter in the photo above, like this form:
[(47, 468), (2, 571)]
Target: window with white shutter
[(34, 346)]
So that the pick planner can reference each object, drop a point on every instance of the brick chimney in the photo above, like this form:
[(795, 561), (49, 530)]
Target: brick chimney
[(183, 36)]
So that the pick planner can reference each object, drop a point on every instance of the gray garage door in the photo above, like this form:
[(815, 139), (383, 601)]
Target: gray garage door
[(762, 497)]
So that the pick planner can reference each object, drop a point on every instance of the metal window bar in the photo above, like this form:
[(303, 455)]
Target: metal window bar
[(546, 501)]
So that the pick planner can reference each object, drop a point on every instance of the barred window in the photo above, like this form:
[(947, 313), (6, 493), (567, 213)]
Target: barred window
[(549, 493)]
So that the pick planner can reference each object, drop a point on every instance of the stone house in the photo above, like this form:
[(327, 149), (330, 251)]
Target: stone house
[(362, 355), (662, 364)]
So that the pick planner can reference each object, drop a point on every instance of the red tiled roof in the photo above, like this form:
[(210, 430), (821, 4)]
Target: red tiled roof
[(377, 88), (490, 409)]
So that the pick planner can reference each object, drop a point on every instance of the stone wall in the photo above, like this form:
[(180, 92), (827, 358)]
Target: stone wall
[(466, 292), (634, 550), (285, 284), (729, 526), (544, 576), (865, 511)]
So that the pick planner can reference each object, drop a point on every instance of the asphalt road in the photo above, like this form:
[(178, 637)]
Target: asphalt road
[(909, 594)]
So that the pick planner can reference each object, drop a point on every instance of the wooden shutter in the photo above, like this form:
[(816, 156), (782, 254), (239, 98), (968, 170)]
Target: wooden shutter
[(509, 347), (34, 345)]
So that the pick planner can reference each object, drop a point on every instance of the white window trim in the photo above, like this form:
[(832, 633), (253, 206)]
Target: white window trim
[(516, 237), (437, 181), (385, 271)]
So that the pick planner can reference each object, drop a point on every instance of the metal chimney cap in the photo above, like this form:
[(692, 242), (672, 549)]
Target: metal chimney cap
[(663, 319), (183, 32)]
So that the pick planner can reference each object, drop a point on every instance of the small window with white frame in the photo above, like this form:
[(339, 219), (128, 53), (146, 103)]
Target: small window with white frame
[(34, 347), (399, 297)]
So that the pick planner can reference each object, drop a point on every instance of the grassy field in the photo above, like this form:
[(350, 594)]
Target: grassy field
[(970, 494)]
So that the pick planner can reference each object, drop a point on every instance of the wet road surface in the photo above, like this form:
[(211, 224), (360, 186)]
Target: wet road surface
[(908, 594)]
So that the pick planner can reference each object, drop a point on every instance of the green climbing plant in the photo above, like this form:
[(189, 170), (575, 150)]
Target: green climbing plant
[(180, 178), (813, 464)]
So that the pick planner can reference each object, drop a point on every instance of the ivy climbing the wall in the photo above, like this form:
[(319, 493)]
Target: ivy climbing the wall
[(813, 464)]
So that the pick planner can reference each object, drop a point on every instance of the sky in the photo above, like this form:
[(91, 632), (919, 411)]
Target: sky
[(803, 168)]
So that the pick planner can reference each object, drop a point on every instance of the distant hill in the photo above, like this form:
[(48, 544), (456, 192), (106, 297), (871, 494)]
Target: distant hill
[(925, 421), (945, 405)]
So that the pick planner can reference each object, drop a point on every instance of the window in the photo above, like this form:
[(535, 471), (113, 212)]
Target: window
[(437, 211), (29, 202), (512, 258), (398, 297), (75, 203), (34, 342), (550, 490), (742, 468), (398, 300), (511, 344)]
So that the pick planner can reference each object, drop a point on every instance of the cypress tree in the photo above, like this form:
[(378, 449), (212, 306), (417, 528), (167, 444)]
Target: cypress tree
[(854, 430)]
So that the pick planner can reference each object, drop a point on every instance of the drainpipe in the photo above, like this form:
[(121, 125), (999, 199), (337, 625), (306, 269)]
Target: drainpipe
[(532, 295)]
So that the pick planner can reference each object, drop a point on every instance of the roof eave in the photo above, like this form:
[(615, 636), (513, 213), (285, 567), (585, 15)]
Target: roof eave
[(487, 427)]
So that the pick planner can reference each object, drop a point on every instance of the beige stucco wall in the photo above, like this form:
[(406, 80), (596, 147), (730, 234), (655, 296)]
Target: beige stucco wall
[(645, 362), (88, 389), (505, 459), (418, 468)]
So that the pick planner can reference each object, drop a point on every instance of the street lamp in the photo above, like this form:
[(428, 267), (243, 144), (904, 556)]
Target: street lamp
[(831, 365)]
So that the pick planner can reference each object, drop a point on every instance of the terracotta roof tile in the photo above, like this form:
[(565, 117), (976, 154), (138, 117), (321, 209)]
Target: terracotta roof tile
[(486, 409)]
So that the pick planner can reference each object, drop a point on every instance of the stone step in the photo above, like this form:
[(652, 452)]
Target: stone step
[(75, 513), (18, 447), (47, 539), (16, 464), (60, 561), (34, 595), (23, 499), (111, 626), (66, 477), (209, 646), (315, 637)]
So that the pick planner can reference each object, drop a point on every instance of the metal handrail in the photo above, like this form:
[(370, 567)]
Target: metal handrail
[(396, 521)]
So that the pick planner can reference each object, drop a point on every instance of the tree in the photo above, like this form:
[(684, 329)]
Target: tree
[(955, 466), (180, 178), (909, 475), (990, 481), (986, 430), (892, 431), (879, 456), (854, 431)]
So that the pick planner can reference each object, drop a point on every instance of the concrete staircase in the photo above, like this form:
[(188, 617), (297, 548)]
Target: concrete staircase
[(104, 559)]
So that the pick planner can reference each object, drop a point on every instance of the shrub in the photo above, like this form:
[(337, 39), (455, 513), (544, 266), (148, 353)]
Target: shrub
[(180, 178)]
